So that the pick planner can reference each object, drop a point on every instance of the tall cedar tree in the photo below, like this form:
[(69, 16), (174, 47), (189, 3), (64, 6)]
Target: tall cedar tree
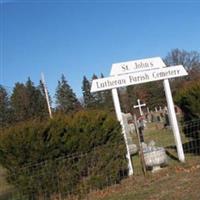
[(97, 95), (188, 98), (88, 97), (4, 107), (37, 104), (32, 96), (106, 99), (102, 100), (27, 101), (20, 102), (66, 100)]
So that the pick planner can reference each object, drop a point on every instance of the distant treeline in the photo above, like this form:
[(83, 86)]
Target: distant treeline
[(27, 101)]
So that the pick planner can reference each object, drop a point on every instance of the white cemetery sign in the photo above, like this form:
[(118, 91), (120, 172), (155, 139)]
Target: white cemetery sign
[(140, 107), (137, 78), (136, 72)]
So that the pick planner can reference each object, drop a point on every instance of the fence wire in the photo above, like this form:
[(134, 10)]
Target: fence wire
[(70, 177), (191, 130), (75, 176)]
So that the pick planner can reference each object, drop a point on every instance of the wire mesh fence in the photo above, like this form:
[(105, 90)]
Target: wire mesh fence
[(75, 176), (191, 130), (70, 177)]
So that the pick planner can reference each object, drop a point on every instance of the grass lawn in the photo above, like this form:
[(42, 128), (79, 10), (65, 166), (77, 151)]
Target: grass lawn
[(180, 182)]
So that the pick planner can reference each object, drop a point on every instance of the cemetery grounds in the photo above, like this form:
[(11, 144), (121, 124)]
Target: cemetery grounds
[(174, 181)]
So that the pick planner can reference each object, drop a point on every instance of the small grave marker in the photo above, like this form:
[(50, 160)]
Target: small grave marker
[(140, 106)]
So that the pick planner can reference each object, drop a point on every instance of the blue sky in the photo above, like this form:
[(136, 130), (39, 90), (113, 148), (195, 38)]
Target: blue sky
[(80, 38)]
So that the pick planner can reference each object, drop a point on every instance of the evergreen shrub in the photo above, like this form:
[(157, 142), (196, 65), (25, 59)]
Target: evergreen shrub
[(188, 98), (64, 154)]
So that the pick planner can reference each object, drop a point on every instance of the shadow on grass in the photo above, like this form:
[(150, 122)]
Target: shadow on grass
[(172, 156), (192, 146)]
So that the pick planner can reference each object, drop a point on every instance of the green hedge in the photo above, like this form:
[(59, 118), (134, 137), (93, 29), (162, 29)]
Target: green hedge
[(65, 154), (188, 98)]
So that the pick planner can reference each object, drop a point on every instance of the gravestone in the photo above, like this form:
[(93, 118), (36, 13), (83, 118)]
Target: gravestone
[(154, 157), (128, 129), (148, 117), (141, 125), (158, 115), (140, 107)]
